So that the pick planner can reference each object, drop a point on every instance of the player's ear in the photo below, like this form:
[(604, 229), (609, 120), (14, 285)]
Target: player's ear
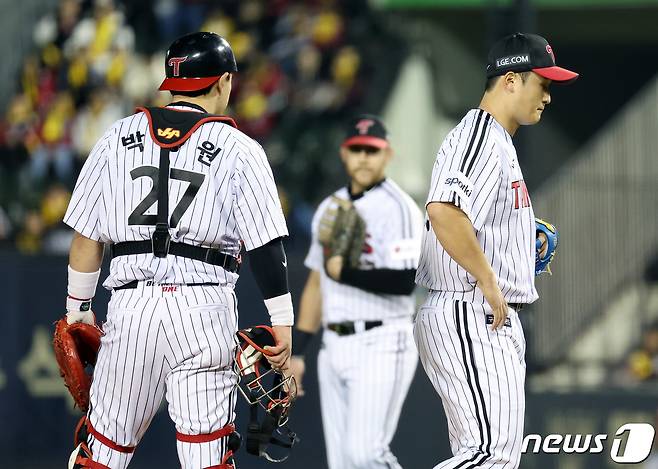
[(224, 82), (509, 80)]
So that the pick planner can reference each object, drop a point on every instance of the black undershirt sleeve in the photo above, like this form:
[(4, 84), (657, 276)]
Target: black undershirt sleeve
[(387, 281), (269, 265)]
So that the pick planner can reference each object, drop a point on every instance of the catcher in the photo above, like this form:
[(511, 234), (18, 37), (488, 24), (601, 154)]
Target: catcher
[(363, 257), (179, 194)]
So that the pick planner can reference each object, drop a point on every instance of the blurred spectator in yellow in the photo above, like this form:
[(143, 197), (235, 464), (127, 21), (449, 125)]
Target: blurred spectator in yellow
[(327, 29), (643, 363), (29, 238), (17, 137), (57, 237), (53, 205), (54, 150), (102, 110)]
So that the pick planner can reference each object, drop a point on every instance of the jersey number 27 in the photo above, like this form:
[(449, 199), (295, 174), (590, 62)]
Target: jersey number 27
[(139, 217)]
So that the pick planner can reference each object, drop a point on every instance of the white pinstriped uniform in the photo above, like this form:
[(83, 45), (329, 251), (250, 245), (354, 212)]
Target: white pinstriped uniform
[(174, 340), (479, 374), (364, 377)]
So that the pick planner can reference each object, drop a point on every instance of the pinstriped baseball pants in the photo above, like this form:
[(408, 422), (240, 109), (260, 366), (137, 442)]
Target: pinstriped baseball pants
[(364, 379), (165, 342), (480, 376)]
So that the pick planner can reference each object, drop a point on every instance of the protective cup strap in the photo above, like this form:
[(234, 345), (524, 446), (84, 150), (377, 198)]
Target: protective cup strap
[(206, 437), (107, 442)]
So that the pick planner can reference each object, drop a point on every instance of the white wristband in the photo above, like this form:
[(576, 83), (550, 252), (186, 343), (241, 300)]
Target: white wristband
[(280, 309), (82, 285)]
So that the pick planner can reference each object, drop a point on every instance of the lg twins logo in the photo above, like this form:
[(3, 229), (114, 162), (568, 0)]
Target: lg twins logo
[(632, 443), (549, 49), (175, 63), (363, 125)]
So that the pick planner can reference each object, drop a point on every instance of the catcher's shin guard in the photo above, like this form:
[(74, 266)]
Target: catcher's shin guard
[(233, 445), (81, 458)]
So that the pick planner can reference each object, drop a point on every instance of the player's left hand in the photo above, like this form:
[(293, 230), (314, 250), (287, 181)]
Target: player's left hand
[(297, 369), (547, 240), (334, 267), (280, 353)]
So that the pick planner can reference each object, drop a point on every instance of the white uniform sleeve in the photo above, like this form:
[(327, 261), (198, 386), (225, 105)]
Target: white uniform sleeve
[(82, 213), (256, 203), (465, 177), (315, 258), (403, 240)]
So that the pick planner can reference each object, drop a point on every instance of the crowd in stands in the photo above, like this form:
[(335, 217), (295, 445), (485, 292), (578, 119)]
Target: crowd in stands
[(641, 365), (300, 72)]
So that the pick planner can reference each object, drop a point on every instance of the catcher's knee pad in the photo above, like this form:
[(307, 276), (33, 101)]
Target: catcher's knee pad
[(234, 441), (81, 458)]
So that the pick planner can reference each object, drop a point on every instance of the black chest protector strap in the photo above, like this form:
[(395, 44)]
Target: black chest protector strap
[(161, 238), (169, 129)]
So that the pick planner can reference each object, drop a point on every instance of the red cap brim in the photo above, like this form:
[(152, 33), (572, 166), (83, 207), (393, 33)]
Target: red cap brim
[(187, 84), (366, 140), (556, 74)]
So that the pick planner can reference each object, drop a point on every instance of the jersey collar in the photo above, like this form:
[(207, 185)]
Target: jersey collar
[(186, 104), (354, 197)]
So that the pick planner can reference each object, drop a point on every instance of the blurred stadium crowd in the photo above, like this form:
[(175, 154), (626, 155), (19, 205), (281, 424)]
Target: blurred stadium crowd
[(301, 71)]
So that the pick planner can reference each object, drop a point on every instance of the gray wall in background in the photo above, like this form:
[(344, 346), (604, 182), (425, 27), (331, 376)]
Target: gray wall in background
[(16, 27)]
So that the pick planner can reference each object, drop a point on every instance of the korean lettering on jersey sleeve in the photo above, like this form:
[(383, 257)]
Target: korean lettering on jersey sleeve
[(256, 203), (467, 172), (82, 213)]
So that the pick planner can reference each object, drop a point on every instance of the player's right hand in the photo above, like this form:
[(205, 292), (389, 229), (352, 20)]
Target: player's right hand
[(86, 317), (280, 353), (297, 369), (496, 301)]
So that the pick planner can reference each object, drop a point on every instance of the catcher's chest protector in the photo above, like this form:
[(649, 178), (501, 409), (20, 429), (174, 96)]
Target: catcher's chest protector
[(169, 129)]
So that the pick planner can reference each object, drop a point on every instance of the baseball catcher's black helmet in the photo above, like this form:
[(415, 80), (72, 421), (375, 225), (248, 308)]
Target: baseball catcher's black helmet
[(196, 61)]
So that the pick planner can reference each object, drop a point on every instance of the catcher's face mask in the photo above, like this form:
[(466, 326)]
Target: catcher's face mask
[(265, 388)]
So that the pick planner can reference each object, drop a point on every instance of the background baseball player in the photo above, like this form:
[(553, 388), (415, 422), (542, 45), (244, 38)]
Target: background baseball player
[(364, 302), (478, 259), (177, 192)]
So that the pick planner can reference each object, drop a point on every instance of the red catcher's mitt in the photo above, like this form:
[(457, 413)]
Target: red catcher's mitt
[(76, 346)]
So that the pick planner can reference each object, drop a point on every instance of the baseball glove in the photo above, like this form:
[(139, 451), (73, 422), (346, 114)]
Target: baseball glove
[(76, 347), (543, 263), (342, 231)]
